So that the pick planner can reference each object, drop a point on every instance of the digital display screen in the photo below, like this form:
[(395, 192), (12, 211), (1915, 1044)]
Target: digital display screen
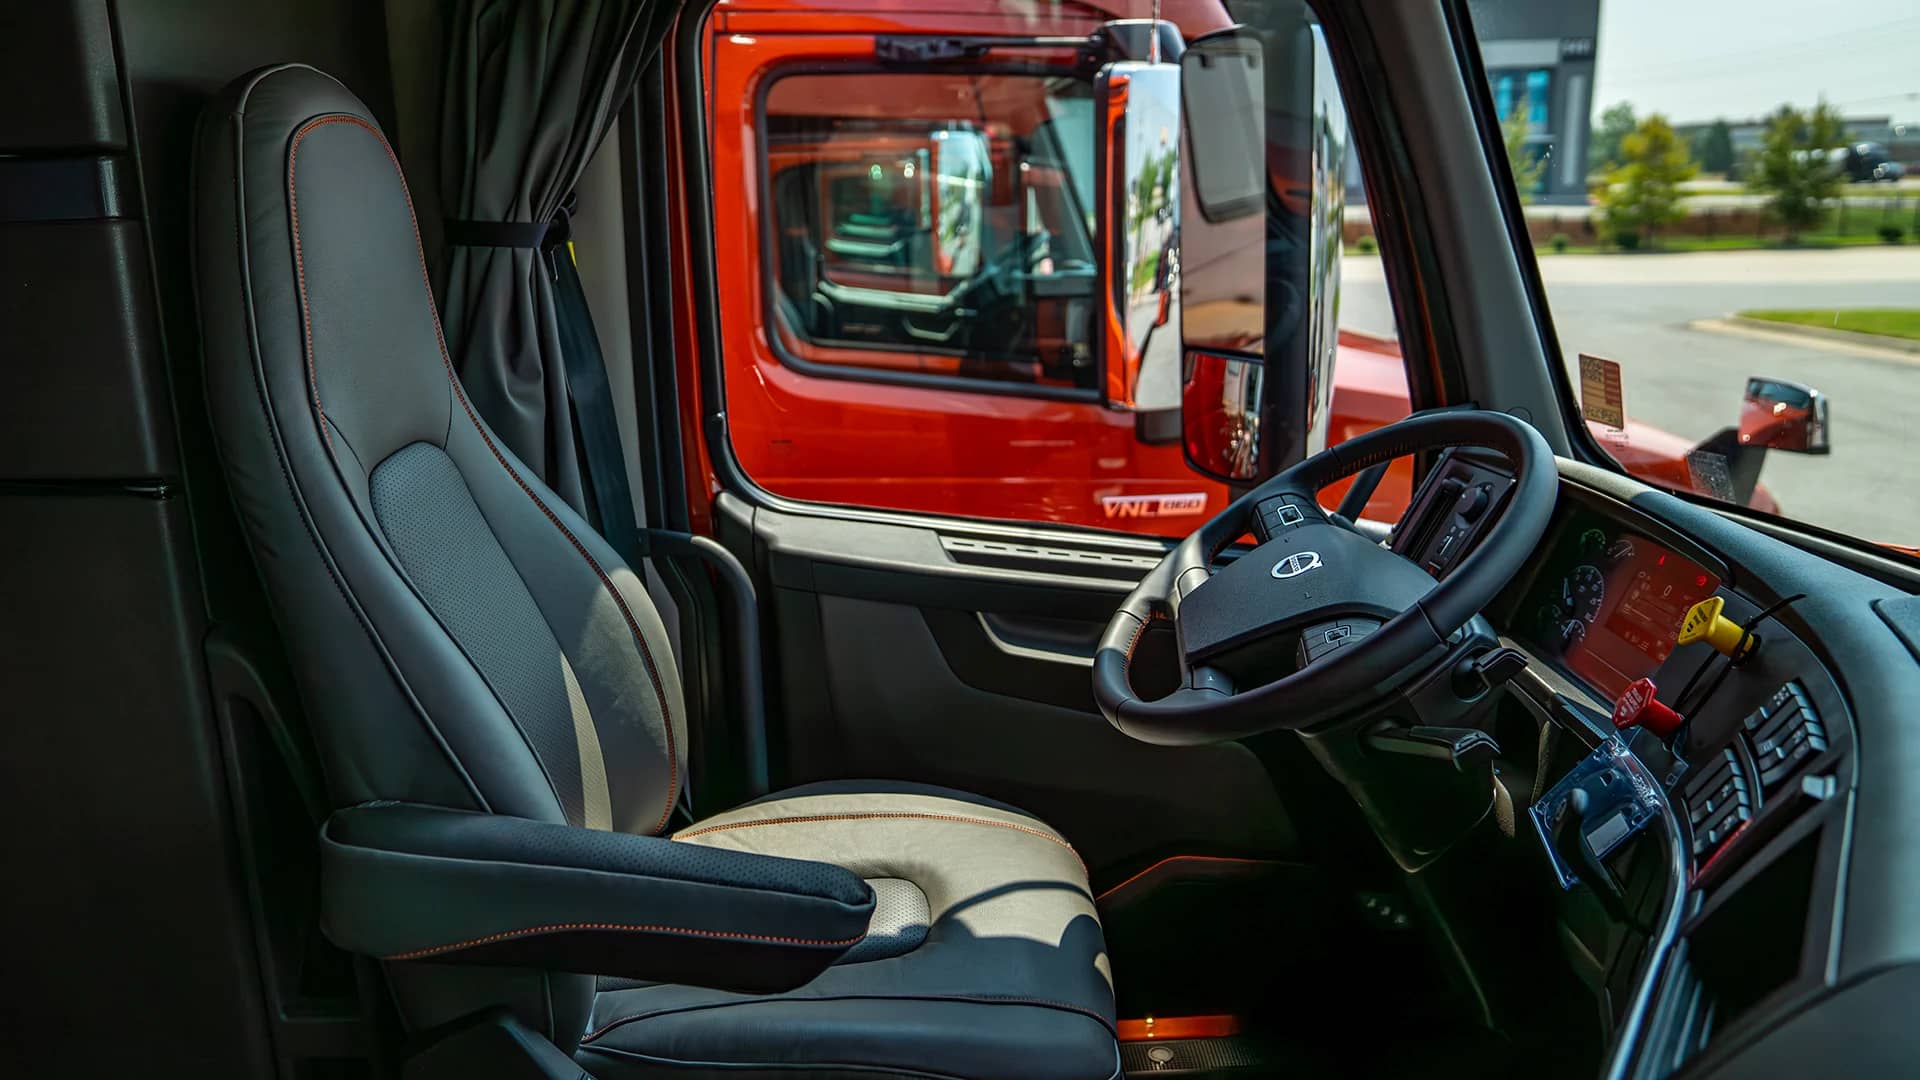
[(1609, 602)]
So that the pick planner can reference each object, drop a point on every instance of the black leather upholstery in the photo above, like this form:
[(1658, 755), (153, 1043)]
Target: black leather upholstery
[(520, 893), (463, 641), (1011, 979)]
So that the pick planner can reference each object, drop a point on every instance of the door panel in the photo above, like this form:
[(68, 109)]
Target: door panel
[(896, 659)]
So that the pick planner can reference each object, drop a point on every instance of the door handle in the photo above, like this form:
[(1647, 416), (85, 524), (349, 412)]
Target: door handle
[(1053, 641)]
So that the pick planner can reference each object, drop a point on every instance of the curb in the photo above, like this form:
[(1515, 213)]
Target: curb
[(1850, 337)]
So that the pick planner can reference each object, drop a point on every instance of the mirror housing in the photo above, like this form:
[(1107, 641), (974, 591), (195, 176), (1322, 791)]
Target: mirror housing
[(1137, 209), (1264, 167), (1779, 415)]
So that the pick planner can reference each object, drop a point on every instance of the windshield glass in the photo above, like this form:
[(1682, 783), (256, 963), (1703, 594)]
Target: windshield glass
[(1724, 197)]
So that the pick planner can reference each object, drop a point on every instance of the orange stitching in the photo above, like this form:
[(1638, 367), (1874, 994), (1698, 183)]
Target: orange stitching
[(1181, 858), (300, 275), (883, 814), (646, 654), (1134, 643), (509, 935)]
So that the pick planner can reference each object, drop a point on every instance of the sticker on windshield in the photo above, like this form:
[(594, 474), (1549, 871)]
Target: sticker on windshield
[(1601, 399)]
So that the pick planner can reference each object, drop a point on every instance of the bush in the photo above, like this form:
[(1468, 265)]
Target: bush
[(1365, 245), (1792, 167), (1559, 242), (1643, 194), (1892, 234)]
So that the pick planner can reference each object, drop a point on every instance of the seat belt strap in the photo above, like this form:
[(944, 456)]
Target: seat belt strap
[(603, 456)]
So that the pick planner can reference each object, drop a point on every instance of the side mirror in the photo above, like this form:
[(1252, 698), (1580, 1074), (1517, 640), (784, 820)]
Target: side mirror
[(1780, 415), (1266, 138), (1137, 207)]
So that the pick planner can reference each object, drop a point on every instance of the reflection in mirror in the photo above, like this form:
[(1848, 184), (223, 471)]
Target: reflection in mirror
[(934, 224), (1141, 217), (963, 174), (1221, 415), (1780, 415), (1223, 237)]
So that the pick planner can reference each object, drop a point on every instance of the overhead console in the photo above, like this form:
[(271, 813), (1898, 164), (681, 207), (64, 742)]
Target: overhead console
[(1705, 655)]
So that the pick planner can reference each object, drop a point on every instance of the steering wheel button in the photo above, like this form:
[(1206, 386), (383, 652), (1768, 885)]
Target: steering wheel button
[(1289, 514)]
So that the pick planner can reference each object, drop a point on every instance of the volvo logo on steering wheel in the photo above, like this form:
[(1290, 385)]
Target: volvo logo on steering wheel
[(1296, 564)]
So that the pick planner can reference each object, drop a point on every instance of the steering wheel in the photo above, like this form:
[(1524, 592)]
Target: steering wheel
[(1321, 576)]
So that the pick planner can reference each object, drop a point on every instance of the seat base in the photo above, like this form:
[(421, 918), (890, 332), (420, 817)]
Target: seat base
[(1010, 979)]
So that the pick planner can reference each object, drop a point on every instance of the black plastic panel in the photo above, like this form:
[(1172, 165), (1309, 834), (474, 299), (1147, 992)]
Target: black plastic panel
[(131, 953), (57, 78), (82, 394)]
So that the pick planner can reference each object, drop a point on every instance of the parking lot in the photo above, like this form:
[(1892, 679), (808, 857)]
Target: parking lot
[(1641, 311)]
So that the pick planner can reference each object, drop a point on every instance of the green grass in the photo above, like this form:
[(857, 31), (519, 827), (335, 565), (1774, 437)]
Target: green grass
[(1889, 322)]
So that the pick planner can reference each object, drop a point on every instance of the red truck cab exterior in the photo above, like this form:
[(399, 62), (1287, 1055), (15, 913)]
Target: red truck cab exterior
[(832, 424)]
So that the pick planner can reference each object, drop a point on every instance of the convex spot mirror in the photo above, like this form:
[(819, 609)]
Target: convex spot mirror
[(1779, 415)]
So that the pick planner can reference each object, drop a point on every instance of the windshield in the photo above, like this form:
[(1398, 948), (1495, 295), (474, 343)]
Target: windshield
[(1723, 197)]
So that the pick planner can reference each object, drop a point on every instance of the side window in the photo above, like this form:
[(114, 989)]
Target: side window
[(948, 233), (995, 269)]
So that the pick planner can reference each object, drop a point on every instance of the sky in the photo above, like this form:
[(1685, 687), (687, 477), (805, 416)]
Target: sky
[(1697, 60)]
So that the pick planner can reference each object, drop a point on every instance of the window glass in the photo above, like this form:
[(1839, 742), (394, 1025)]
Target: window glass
[(1724, 200), (947, 233), (922, 310)]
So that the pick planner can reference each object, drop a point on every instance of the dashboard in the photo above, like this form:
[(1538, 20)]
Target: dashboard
[(1607, 601), (1758, 921)]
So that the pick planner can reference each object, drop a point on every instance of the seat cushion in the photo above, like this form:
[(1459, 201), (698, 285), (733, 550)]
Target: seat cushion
[(1009, 976)]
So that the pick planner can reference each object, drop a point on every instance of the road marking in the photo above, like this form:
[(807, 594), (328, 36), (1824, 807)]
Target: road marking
[(1779, 337)]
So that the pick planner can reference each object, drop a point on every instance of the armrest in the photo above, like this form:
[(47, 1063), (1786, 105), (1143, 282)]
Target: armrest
[(407, 882)]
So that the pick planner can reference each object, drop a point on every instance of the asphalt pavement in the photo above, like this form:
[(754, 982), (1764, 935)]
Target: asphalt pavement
[(1639, 310)]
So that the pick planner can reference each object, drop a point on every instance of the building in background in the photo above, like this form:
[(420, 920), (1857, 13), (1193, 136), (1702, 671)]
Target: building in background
[(1539, 57)]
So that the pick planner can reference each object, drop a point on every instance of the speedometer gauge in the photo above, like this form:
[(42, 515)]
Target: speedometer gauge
[(1582, 591)]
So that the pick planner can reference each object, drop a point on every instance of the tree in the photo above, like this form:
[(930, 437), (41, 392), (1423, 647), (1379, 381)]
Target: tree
[(1616, 123), (1643, 194), (1526, 165), (1793, 169), (1714, 148)]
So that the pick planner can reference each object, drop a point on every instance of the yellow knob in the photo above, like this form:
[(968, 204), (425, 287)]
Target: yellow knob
[(1705, 623)]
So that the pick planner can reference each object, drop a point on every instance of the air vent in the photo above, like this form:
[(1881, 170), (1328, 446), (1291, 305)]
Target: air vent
[(1047, 560)]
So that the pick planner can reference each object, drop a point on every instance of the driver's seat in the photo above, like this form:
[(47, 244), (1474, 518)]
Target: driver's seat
[(501, 723)]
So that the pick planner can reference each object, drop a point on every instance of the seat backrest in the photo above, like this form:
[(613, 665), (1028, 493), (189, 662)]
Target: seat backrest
[(461, 637)]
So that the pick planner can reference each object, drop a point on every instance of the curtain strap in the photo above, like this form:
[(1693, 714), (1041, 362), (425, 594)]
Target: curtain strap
[(543, 235)]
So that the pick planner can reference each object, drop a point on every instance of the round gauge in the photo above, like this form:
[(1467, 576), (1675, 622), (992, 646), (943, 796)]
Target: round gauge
[(1571, 631), (1582, 591), (1549, 618), (1593, 542)]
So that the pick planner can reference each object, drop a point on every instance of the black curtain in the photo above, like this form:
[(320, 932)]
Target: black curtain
[(532, 87)]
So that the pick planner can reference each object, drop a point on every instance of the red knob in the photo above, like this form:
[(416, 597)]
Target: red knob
[(1637, 707)]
